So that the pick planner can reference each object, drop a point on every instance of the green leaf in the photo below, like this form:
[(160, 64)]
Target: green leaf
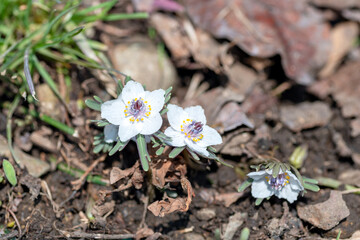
[(160, 151), (211, 149), (143, 153), (245, 234), (9, 172), (165, 110), (310, 180), (245, 184), (276, 170), (98, 148), (176, 151), (258, 201), (311, 187), (116, 148), (168, 90), (193, 155), (298, 156), (103, 123), (93, 105), (98, 99)]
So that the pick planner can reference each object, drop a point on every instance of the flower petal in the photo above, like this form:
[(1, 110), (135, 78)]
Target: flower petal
[(177, 138), (196, 113), (211, 137), (111, 133), (176, 115), (257, 175), (156, 99), (113, 111), (132, 90), (127, 129), (152, 124), (194, 147), (287, 193), (261, 189), (294, 182)]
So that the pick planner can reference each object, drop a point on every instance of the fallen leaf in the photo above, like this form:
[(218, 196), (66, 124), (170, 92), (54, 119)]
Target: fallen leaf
[(261, 28), (228, 198), (171, 32), (305, 115), (320, 215), (117, 174), (343, 37), (235, 221), (341, 146), (33, 184), (143, 233), (169, 205), (344, 86), (351, 177), (205, 214), (339, 5), (159, 171), (129, 177)]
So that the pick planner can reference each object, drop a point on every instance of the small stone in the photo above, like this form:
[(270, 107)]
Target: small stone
[(325, 215), (206, 214), (193, 236)]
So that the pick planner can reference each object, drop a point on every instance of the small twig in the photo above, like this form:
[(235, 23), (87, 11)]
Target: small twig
[(355, 190), (15, 218), (9, 235), (145, 200), (79, 182), (79, 234)]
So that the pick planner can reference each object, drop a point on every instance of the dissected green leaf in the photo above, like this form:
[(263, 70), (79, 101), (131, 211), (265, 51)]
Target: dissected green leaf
[(98, 148), (193, 155), (93, 105), (258, 201), (245, 184), (9, 172), (176, 151), (119, 146), (311, 187), (276, 170), (98, 99), (143, 153), (160, 151)]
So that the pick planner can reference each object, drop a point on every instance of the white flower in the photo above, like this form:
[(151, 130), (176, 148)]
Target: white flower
[(188, 128), (135, 111), (111, 133), (285, 185)]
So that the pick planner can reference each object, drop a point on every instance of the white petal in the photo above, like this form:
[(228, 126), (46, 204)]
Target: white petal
[(287, 193), (132, 90), (196, 113), (111, 133), (176, 115), (257, 175), (127, 129), (194, 147), (113, 111), (261, 189), (152, 124), (156, 99), (211, 137), (294, 182), (177, 138)]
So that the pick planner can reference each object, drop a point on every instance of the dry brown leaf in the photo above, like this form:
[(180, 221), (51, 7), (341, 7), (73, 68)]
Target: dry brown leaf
[(159, 171), (143, 233), (343, 37), (169, 205), (344, 86), (228, 198), (170, 30), (261, 28), (305, 115), (117, 174)]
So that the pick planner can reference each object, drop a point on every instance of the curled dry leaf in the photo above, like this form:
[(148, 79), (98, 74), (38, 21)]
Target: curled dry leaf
[(129, 177), (262, 29), (143, 233), (169, 205)]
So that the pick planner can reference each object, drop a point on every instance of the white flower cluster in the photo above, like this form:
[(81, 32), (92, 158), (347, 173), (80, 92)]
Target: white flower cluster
[(137, 111)]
